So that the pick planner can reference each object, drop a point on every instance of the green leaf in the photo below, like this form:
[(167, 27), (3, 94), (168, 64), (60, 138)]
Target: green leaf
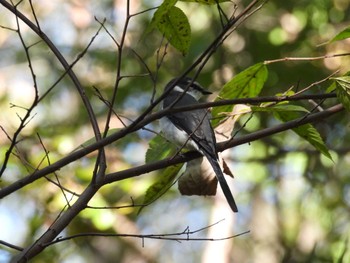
[(206, 2), (164, 182), (343, 91), (247, 83), (331, 88), (176, 28), (288, 93), (162, 10), (342, 35), (306, 131), (158, 149)]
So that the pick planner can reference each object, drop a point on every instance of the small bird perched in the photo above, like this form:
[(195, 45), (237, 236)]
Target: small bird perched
[(192, 129)]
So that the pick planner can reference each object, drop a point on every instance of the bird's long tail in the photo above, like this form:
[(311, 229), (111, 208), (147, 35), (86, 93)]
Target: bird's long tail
[(224, 186)]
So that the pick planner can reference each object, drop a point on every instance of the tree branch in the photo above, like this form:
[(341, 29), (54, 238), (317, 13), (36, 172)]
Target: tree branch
[(146, 168), (57, 227), (120, 134), (62, 60)]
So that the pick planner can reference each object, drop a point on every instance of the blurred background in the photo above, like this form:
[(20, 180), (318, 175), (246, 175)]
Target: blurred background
[(294, 202)]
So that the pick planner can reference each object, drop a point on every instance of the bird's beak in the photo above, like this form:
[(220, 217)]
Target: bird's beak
[(206, 92)]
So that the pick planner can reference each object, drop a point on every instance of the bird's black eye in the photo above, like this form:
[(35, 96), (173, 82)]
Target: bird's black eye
[(196, 86)]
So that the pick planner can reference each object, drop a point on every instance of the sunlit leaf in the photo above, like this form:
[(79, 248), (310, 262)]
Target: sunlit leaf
[(344, 98), (289, 92), (173, 23), (162, 10), (176, 28), (164, 182), (306, 131), (342, 35), (159, 149), (247, 83), (331, 88), (343, 90)]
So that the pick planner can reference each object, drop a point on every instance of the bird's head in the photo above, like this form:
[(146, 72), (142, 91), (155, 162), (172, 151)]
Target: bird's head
[(192, 88)]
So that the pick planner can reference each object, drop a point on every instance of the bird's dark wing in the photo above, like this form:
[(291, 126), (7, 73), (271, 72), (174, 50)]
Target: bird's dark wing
[(196, 123)]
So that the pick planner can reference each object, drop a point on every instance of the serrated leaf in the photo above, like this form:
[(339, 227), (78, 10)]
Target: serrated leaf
[(342, 35), (158, 15), (306, 131), (164, 182), (176, 28), (206, 2), (158, 149), (343, 91), (340, 80), (344, 97), (344, 81), (247, 83)]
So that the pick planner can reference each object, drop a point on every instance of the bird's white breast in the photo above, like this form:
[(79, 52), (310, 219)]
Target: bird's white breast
[(175, 135)]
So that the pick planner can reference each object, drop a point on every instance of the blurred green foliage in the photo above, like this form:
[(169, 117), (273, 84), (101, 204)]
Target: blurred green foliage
[(294, 201)]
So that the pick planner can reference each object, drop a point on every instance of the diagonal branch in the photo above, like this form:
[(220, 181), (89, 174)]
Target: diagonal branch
[(62, 60), (100, 163), (60, 224), (122, 133), (136, 171)]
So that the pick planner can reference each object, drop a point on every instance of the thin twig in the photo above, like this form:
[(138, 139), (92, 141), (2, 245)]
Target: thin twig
[(27, 117), (170, 237), (316, 83), (60, 57), (328, 56), (47, 157), (123, 132), (4, 243), (136, 171)]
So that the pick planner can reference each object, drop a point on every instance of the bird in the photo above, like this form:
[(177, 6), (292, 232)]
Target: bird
[(192, 129)]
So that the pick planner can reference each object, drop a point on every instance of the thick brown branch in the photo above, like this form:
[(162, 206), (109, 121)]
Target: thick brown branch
[(116, 136), (62, 60), (136, 171), (57, 226)]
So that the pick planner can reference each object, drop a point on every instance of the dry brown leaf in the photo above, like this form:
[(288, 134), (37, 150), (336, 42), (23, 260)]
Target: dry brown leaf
[(199, 177)]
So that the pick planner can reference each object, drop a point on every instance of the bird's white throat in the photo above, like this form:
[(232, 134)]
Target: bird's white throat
[(191, 91)]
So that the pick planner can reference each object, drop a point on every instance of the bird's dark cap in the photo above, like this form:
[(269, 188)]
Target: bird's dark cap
[(184, 82)]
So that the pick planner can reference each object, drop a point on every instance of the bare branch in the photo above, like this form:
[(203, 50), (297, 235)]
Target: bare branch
[(169, 237), (99, 179), (328, 56), (62, 60), (28, 116), (136, 171), (58, 225), (123, 132), (11, 245)]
